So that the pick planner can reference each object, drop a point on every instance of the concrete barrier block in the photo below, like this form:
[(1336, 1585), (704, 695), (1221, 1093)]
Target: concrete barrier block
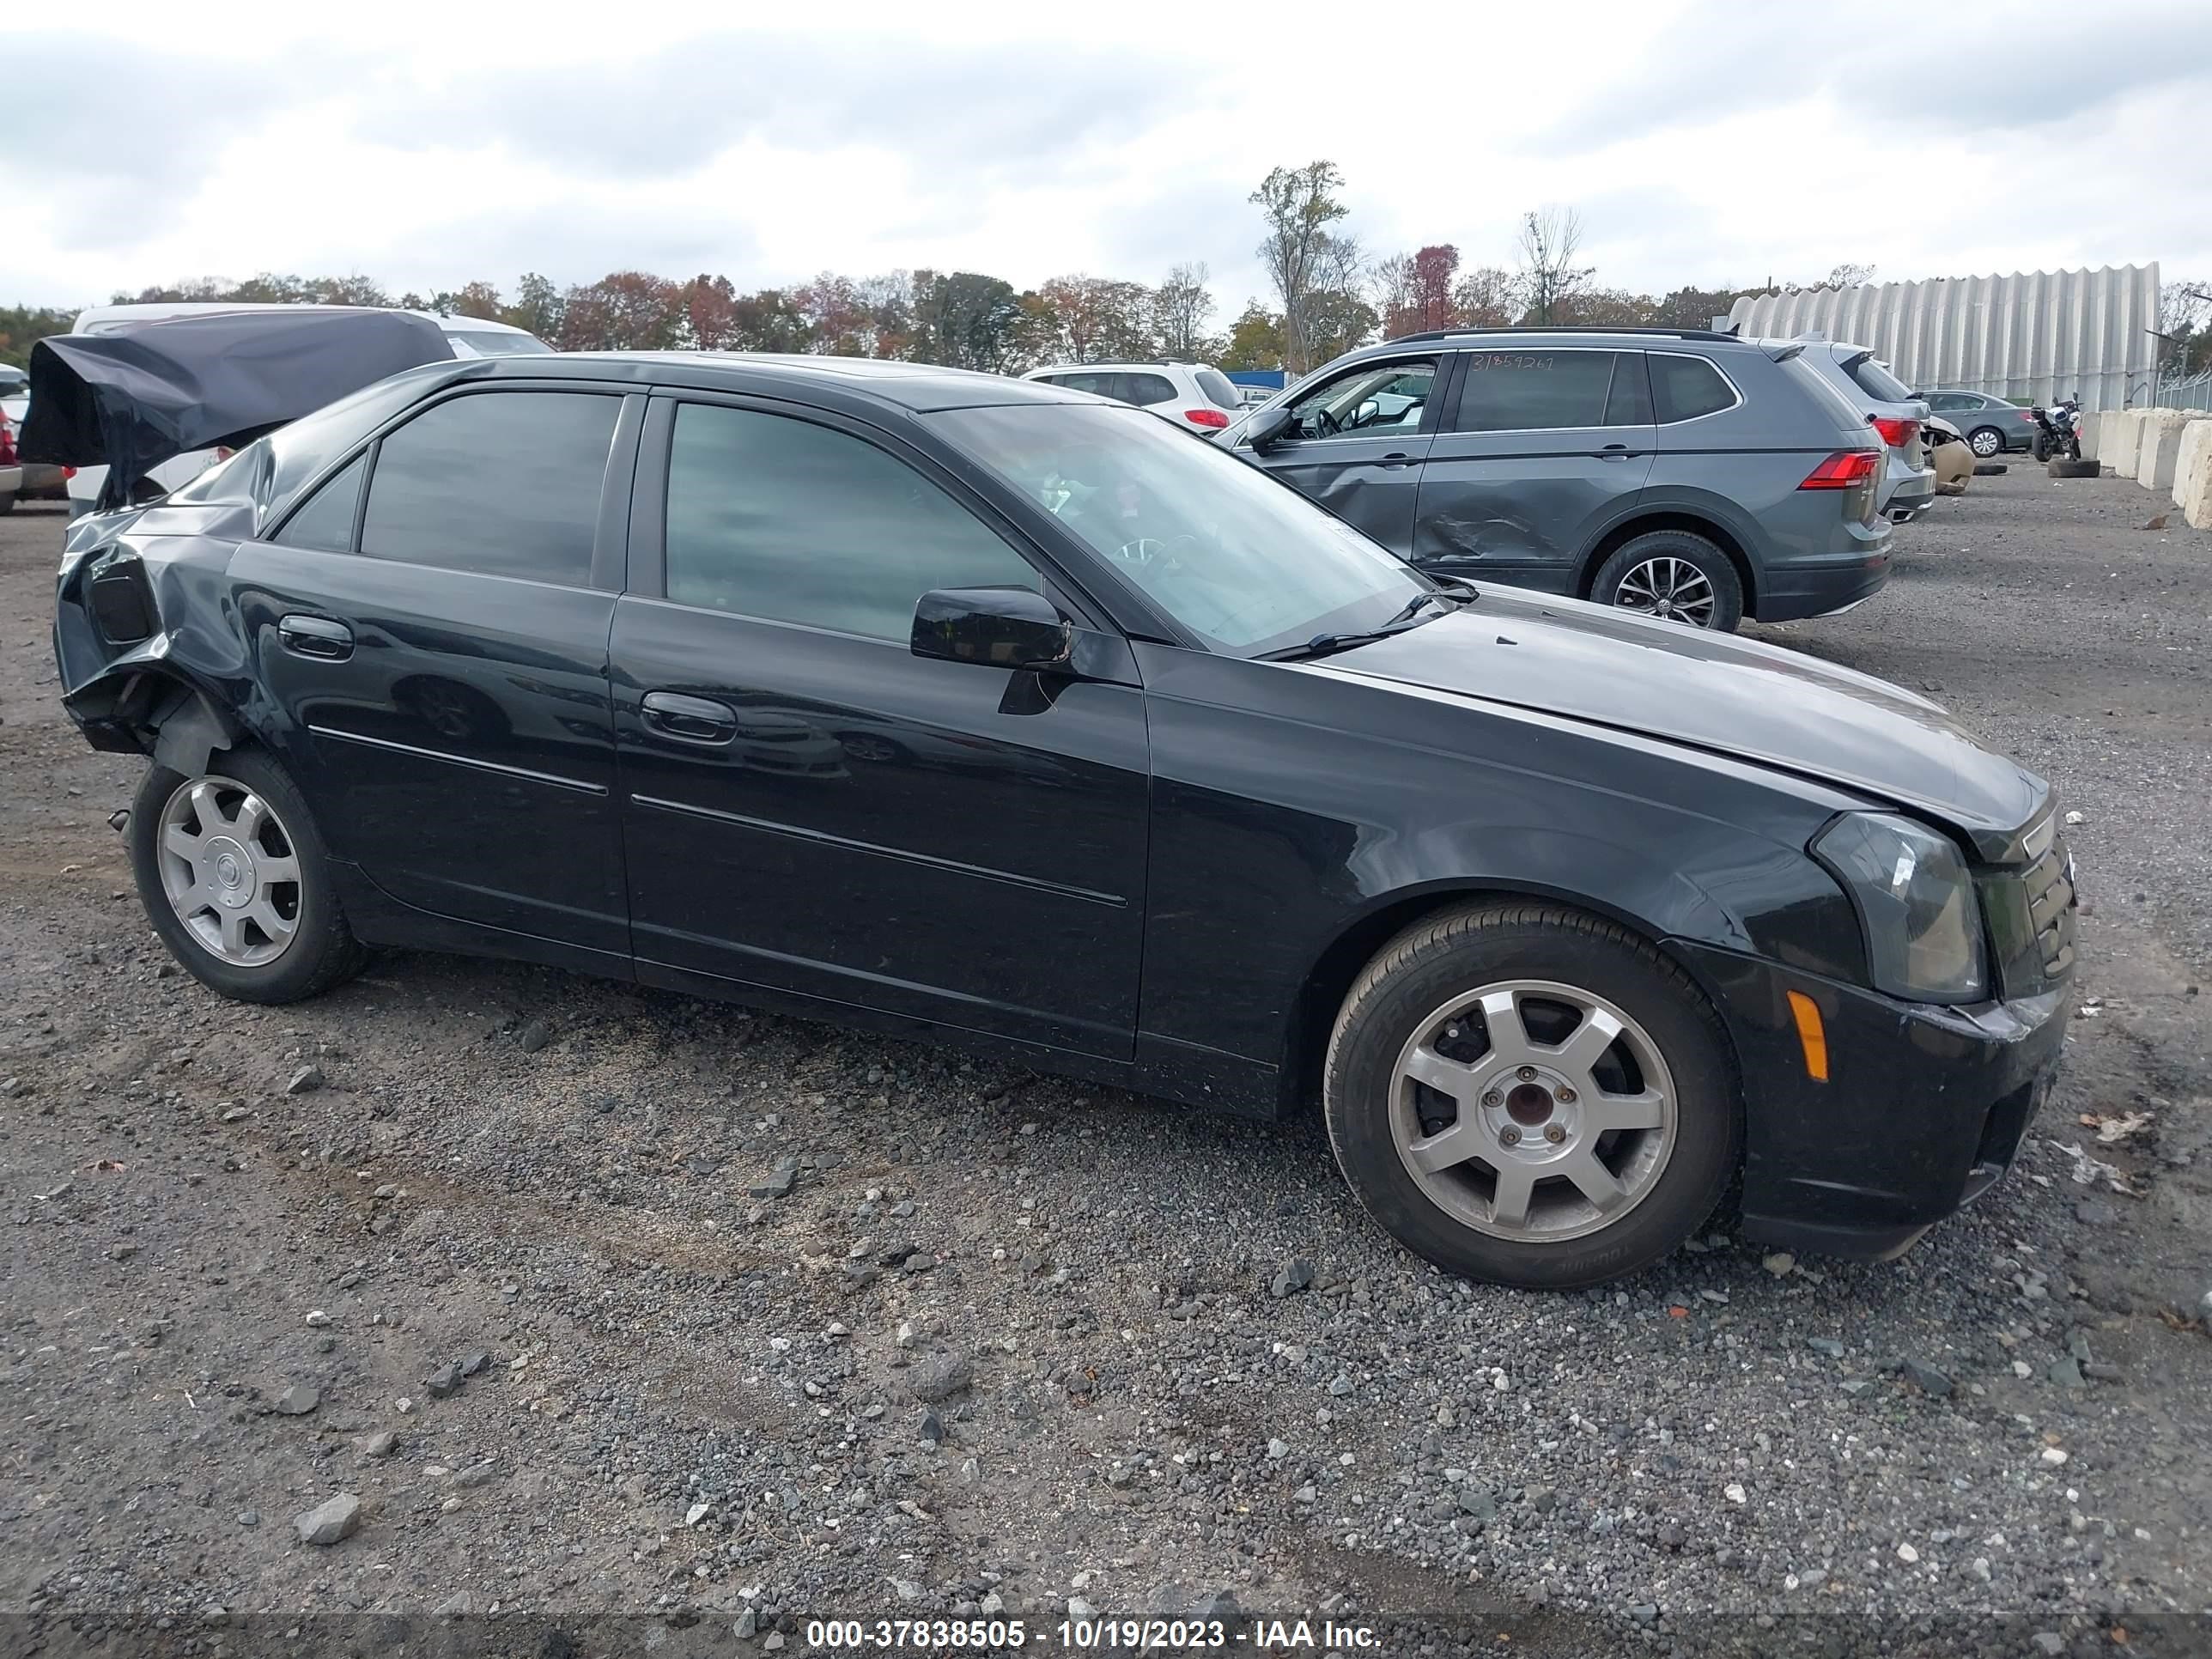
[(2123, 440), (2193, 454), (2159, 447), (2091, 423), (2192, 473)]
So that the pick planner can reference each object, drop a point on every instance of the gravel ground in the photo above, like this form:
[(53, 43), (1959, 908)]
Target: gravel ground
[(479, 1270)]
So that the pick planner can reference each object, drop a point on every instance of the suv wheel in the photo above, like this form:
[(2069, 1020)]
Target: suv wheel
[(1673, 574), (1526, 1094), (234, 878), (1986, 442)]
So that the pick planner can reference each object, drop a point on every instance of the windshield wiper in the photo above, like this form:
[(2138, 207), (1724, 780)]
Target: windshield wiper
[(1321, 645)]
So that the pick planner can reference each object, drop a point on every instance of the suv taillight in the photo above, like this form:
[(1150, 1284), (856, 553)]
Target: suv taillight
[(1845, 469), (7, 443), (1898, 435), (1207, 417)]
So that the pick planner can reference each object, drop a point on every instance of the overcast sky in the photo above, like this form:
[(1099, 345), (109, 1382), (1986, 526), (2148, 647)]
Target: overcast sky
[(1719, 144)]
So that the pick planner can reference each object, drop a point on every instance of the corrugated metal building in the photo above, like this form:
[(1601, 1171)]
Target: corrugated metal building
[(2033, 334)]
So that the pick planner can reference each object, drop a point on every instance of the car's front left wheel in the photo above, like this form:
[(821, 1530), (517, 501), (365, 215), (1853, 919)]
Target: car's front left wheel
[(1986, 442), (1531, 1095), (234, 876)]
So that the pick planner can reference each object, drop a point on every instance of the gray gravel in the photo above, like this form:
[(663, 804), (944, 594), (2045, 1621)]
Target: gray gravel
[(647, 1306)]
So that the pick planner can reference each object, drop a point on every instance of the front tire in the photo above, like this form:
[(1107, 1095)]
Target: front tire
[(1676, 575), (234, 875), (1986, 442), (1528, 1094)]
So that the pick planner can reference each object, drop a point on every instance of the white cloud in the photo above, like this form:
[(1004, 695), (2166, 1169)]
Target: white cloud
[(1702, 144)]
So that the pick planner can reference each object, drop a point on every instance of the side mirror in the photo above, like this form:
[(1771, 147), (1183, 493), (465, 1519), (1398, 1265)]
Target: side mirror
[(1265, 428), (993, 627)]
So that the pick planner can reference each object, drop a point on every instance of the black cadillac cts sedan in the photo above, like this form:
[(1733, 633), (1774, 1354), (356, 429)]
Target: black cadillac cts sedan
[(974, 708)]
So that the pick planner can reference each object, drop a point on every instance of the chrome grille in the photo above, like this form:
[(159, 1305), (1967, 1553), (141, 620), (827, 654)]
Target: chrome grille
[(2051, 904)]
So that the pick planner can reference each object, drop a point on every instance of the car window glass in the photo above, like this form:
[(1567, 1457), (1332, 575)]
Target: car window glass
[(1683, 388), (325, 523), (1141, 389), (787, 520), (1533, 391), (1629, 403), (1877, 381), (1220, 391), (1236, 556), (503, 484), (1103, 385), (1376, 398)]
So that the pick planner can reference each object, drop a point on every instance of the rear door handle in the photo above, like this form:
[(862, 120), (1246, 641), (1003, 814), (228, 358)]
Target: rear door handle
[(1396, 457), (688, 718), (1616, 453), (315, 636)]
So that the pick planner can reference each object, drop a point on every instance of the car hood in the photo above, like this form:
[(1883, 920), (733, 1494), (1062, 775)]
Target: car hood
[(1715, 692)]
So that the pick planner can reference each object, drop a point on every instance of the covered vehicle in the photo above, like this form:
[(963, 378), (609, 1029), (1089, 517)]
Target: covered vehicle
[(235, 361), (941, 702)]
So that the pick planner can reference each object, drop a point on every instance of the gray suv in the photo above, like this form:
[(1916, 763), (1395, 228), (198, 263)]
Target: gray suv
[(1683, 473)]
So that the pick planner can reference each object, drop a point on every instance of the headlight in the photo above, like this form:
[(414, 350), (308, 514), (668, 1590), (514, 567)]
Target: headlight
[(1915, 901)]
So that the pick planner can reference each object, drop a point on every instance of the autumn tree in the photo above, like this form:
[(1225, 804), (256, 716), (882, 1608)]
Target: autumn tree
[(1255, 339), (1550, 237), (1486, 297), (1181, 307), (767, 321), (623, 311), (22, 327), (964, 319), (710, 313), (1302, 254), (536, 306)]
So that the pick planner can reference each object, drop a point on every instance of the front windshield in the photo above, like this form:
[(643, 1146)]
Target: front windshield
[(1245, 562)]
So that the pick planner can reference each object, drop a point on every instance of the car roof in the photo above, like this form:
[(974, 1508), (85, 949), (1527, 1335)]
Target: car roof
[(1107, 369), (93, 317), (916, 387)]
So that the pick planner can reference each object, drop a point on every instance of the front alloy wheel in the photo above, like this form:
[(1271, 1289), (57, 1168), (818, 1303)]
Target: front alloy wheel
[(1985, 442), (1531, 1110), (1530, 1095)]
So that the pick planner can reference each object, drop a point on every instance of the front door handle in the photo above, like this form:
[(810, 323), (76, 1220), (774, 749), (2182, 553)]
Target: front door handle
[(688, 718), (1616, 453), (315, 636), (1396, 457)]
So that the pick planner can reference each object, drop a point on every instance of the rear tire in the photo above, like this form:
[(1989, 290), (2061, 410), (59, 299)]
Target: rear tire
[(1471, 1175), (234, 875), (1673, 574), (2042, 448), (7, 504)]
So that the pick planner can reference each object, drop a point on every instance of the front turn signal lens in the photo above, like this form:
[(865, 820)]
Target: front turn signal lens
[(1812, 1035)]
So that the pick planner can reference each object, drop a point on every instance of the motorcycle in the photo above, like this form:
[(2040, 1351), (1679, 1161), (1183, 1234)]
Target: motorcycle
[(2058, 430)]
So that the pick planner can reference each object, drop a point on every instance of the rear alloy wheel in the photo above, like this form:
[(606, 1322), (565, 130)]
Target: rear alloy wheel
[(1676, 577), (1528, 1094), (1986, 442), (233, 878)]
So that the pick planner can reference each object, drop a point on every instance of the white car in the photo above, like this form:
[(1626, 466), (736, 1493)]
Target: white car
[(20, 482), (470, 336), (1197, 396)]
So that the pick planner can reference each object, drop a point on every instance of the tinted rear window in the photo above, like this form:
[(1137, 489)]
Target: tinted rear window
[(502, 484), (1142, 389), (1878, 382), (1220, 391), (1683, 388)]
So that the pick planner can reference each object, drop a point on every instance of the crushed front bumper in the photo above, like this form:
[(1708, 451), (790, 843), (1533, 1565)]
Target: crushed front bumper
[(1923, 1111)]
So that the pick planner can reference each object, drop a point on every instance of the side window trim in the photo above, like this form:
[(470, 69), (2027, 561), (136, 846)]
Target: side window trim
[(1727, 380), (648, 560)]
